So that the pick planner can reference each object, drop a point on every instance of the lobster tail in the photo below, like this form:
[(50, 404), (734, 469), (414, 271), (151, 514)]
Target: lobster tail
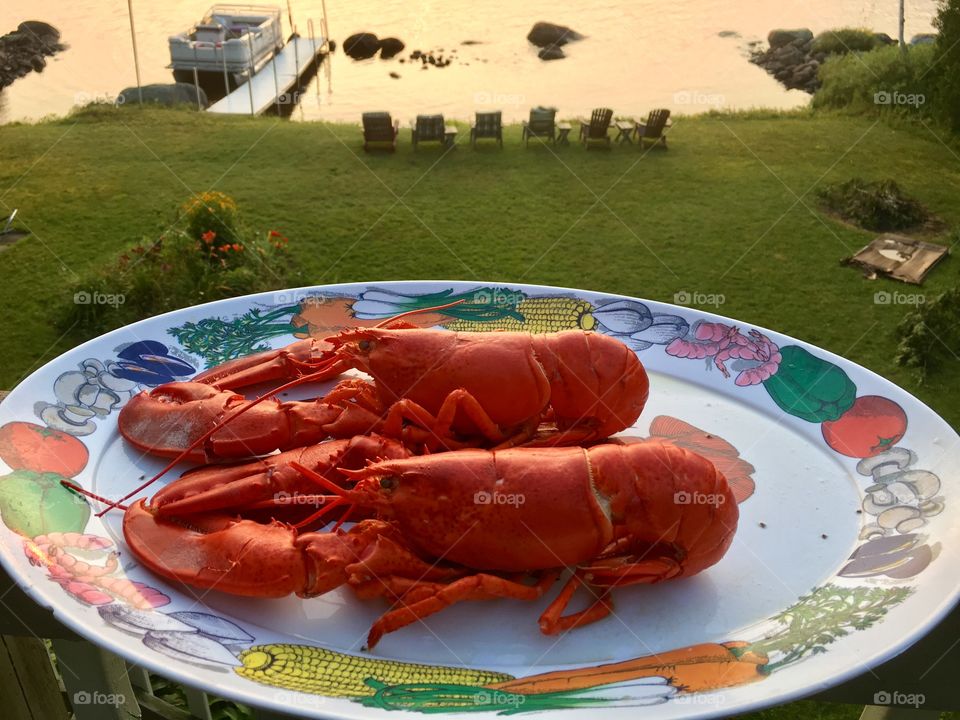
[(597, 384), (666, 502)]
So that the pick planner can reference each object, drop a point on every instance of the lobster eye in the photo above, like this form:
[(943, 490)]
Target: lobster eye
[(365, 345), (388, 483)]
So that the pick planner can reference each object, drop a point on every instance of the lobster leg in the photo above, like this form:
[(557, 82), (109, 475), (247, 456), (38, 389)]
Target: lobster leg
[(440, 426), (481, 586), (615, 572), (552, 621)]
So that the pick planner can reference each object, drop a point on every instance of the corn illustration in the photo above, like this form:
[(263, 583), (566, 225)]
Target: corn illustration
[(334, 674), (540, 315)]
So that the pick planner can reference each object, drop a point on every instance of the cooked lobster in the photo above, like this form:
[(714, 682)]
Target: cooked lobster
[(463, 525), (430, 388)]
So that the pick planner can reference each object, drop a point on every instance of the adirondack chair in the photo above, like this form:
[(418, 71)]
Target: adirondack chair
[(429, 128), (652, 130), (487, 125), (598, 126), (542, 124), (378, 127)]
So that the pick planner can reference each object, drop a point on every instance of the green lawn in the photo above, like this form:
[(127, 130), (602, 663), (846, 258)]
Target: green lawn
[(716, 214)]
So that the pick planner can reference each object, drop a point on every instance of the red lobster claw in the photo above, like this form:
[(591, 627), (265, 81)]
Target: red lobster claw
[(284, 363), (258, 483), (168, 419)]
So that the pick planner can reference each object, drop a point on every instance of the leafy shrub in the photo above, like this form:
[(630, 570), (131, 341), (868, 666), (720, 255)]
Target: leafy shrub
[(882, 79), (879, 205), (844, 40), (211, 212), (205, 256), (946, 74), (930, 335)]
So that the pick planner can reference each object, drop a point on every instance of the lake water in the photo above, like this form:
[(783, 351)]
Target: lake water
[(639, 54)]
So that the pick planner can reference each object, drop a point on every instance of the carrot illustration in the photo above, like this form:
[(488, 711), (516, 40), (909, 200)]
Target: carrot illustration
[(696, 668), (322, 317)]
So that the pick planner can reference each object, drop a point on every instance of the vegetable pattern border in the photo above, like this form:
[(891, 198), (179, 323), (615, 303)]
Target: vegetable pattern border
[(898, 503)]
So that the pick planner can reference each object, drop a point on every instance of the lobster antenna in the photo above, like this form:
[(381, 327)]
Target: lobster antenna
[(319, 513), (99, 498), (344, 517), (319, 479), (316, 375), (417, 311)]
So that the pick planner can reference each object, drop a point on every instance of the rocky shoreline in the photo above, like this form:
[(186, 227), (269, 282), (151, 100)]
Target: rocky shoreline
[(793, 59), (26, 49)]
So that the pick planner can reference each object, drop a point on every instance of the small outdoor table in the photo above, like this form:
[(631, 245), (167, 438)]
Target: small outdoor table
[(449, 135), (626, 129), (564, 128)]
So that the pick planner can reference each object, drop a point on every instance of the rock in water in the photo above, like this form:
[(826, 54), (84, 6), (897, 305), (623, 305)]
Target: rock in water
[(551, 52), (169, 95), (791, 59), (26, 49), (44, 32), (389, 47), (361, 46), (545, 34), (779, 38)]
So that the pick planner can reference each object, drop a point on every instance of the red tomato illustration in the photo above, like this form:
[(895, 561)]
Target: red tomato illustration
[(26, 446), (872, 425)]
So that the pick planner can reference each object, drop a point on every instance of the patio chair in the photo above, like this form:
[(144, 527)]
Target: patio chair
[(487, 125), (653, 129), (379, 127), (598, 127), (430, 128), (542, 124)]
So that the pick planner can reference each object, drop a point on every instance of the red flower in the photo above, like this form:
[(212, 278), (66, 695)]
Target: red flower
[(209, 236), (237, 247), (274, 233)]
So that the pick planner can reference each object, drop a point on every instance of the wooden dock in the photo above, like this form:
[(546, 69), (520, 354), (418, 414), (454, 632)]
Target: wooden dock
[(274, 84)]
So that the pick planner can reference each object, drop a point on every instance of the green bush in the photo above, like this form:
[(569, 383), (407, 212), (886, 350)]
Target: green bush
[(844, 40), (946, 73), (211, 212), (881, 79), (928, 333), (879, 206), (207, 255)]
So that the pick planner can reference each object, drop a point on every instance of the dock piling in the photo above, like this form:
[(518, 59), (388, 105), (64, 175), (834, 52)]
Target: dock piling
[(313, 46), (250, 74), (226, 75), (196, 77)]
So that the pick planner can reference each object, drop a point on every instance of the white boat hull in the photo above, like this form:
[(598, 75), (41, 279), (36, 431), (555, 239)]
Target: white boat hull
[(231, 39)]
